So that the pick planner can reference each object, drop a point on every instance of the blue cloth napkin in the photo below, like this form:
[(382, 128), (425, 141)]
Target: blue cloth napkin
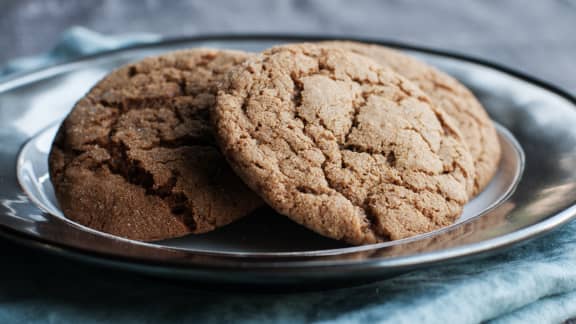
[(73, 43), (532, 283)]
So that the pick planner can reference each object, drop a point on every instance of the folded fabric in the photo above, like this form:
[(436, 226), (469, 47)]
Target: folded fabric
[(532, 283), (74, 43)]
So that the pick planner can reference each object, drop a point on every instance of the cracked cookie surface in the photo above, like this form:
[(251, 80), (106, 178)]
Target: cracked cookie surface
[(136, 156), (451, 96), (342, 145)]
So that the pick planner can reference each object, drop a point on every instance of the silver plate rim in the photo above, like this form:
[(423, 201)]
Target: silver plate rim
[(492, 244), (503, 132)]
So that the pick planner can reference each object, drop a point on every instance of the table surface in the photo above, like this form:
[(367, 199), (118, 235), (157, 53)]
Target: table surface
[(536, 37)]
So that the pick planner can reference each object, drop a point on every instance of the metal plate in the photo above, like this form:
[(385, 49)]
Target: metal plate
[(265, 233), (267, 248)]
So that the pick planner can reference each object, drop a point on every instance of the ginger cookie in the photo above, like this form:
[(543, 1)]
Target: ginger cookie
[(136, 156), (341, 145), (451, 96)]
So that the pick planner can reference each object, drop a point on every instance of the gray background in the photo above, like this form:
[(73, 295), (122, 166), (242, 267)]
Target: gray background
[(537, 37)]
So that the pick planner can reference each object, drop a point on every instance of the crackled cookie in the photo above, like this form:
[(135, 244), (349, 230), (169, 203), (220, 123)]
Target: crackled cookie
[(136, 156), (342, 145), (451, 96)]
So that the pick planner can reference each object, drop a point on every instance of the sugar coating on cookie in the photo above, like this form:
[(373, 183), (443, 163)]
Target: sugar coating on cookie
[(136, 156), (342, 145), (451, 96)]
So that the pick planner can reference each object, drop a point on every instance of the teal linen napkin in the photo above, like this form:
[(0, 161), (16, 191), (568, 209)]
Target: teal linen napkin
[(73, 43), (532, 283)]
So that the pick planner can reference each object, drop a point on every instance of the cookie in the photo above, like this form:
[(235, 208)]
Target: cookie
[(341, 145), (136, 156), (450, 95)]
